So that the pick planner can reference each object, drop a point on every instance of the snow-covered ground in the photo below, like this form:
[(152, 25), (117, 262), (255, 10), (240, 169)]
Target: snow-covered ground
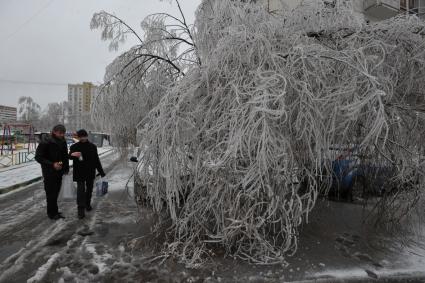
[(20, 174), (114, 244), (27, 236)]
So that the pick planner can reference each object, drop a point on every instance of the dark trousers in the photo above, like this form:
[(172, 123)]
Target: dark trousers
[(52, 186), (84, 193)]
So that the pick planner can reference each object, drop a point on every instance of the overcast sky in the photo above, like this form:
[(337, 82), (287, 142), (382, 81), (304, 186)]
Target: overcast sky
[(49, 42)]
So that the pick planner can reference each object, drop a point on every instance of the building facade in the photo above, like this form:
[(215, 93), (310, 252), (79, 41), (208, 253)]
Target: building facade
[(376, 10), (8, 114), (80, 99), (373, 10)]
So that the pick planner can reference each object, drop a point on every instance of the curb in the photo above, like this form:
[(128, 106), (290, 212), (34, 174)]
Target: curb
[(17, 186), (38, 179)]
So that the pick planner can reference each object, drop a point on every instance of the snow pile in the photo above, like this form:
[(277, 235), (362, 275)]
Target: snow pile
[(235, 148)]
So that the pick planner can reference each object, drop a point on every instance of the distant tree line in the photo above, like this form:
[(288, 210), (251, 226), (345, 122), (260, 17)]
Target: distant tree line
[(29, 111)]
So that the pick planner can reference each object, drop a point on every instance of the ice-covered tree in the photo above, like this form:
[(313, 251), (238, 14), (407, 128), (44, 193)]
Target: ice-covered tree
[(235, 152), (137, 79), (54, 114), (28, 110)]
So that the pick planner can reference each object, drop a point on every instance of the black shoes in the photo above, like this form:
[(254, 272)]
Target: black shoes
[(54, 217), (57, 216), (81, 213)]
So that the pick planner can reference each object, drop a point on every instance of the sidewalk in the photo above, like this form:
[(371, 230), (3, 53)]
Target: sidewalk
[(22, 175)]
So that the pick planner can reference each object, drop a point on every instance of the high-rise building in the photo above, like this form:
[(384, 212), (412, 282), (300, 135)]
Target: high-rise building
[(7, 114), (80, 98)]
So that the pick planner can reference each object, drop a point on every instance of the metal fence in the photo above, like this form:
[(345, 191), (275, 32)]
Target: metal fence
[(16, 158)]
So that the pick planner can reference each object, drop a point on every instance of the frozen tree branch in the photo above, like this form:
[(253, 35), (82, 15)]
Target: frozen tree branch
[(148, 69)]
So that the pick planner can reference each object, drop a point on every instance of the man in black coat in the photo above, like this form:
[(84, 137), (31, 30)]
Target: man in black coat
[(52, 154), (86, 161)]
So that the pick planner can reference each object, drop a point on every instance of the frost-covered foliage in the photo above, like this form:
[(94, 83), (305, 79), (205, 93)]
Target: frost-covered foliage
[(28, 109), (53, 114), (234, 153), (137, 79)]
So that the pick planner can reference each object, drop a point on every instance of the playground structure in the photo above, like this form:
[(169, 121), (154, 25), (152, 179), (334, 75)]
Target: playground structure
[(18, 144)]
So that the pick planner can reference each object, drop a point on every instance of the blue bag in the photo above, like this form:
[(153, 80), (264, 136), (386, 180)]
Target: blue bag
[(101, 188)]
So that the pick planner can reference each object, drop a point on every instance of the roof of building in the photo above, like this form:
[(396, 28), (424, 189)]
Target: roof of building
[(4, 107)]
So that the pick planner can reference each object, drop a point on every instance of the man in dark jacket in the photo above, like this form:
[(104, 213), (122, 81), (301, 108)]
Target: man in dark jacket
[(52, 154), (86, 161)]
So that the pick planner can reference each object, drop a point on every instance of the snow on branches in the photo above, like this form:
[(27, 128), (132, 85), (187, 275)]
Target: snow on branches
[(137, 79), (235, 151)]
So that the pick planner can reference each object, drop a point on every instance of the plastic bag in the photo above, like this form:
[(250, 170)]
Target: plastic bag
[(68, 190), (101, 187)]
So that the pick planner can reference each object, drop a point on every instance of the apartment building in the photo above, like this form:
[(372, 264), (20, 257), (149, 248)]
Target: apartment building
[(8, 114), (80, 99)]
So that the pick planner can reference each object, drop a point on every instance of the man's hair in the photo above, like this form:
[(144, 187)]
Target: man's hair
[(82, 133), (59, 128)]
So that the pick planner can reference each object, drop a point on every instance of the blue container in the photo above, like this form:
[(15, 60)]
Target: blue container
[(101, 188)]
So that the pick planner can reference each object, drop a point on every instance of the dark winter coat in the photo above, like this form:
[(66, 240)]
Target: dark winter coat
[(85, 170), (49, 151)]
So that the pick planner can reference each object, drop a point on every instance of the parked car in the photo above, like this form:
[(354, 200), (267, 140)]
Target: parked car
[(356, 177), (141, 186), (99, 139)]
